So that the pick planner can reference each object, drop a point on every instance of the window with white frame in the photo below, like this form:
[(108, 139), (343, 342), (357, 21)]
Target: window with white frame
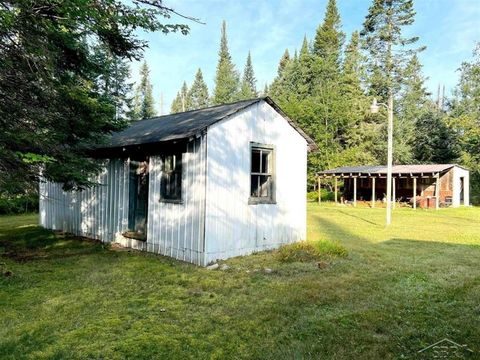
[(171, 181), (262, 174)]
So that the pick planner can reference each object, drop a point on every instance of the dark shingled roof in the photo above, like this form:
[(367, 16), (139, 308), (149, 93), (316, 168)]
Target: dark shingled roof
[(186, 124), (382, 169)]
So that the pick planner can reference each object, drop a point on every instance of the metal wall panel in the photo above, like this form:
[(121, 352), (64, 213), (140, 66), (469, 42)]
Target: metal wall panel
[(99, 212), (177, 229), (233, 226)]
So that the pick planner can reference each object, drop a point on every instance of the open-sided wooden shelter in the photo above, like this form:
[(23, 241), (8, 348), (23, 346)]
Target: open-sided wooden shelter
[(431, 185)]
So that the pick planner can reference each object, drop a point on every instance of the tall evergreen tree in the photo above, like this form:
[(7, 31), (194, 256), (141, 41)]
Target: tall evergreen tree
[(354, 71), (113, 82), (387, 48), (328, 105), (181, 103), (198, 93), (282, 65), (412, 103), (435, 140), (277, 88), (303, 75), (465, 119), (266, 90), (329, 37), (144, 106), (51, 83), (249, 83), (388, 51), (226, 77), (360, 133)]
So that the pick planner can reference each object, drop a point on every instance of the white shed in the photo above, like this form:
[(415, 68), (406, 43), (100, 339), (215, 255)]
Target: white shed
[(197, 186)]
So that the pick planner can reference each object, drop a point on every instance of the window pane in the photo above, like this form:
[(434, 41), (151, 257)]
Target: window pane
[(167, 163), (255, 161), (265, 162), (264, 186), (254, 185), (178, 162), (171, 179), (178, 185), (261, 181)]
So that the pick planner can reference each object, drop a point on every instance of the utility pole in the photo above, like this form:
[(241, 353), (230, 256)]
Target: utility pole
[(374, 110), (389, 158)]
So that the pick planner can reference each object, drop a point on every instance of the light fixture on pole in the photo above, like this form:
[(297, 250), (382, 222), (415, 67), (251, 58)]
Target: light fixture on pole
[(374, 108)]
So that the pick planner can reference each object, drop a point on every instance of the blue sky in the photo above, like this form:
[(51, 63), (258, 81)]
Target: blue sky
[(449, 29)]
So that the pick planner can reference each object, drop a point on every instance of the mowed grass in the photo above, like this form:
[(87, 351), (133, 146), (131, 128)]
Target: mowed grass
[(397, 291)]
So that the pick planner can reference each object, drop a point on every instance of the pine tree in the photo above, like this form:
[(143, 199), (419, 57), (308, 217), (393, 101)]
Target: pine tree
[(435, 141), (113, 82), (464, 119), (144, 106), (354, 71), (282, 65), (329, 37), (181, 103), (249, 88), (59, 90), (198, 93), (388, 50), (303, 80), (386, 46), (266, 90), (359, 133), (226, 77), (328, 105), (277, 88), (176, 105), (411, 105)]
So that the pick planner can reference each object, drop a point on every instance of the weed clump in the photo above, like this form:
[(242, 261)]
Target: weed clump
[(308, 251)]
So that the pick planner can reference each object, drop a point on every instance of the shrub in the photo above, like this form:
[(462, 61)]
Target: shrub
[(312, 196), (307, 251), (18, 204)]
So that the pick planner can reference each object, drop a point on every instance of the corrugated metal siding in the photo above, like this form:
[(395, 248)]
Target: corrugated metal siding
[(233, 227), (100, 212), (177, 229)]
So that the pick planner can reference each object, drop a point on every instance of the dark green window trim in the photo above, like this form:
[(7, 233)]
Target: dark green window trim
[(171, 178), (262, 174)]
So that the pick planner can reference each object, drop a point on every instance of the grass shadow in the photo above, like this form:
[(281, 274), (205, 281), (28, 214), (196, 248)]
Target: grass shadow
[(358, 217)]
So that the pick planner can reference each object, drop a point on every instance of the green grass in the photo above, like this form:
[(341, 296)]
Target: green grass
[(398, 290)]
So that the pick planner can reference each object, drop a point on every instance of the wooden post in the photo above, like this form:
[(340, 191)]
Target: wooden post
[(414, 193), (354, 191), (336, 200), (394, 198), (373, 192), (437, 192), (319, 190)]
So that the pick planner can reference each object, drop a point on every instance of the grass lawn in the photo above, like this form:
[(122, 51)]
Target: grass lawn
[(397, 291)]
